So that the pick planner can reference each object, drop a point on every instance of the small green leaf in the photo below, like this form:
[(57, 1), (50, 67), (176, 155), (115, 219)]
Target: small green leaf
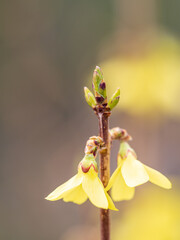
[(90, 99), (114, 99)]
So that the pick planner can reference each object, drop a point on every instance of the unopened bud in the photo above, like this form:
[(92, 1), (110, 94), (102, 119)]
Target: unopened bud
[(98, 141), (93, 144), (119, 134)]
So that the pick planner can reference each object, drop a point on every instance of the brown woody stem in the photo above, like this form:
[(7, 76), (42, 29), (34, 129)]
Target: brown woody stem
[(103, 118)]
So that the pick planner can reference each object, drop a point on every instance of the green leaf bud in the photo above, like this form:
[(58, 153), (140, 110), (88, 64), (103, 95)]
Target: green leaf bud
[(99, 86)]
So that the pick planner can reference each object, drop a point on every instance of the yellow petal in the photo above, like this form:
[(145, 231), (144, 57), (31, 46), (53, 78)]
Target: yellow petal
[(64, 188), (76, 195), (133, 172), (110, 203), (158, 178), (120, 191), (93, 187), (113, 178)]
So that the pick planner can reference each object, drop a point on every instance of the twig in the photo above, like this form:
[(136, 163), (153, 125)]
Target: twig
[(103, 117)]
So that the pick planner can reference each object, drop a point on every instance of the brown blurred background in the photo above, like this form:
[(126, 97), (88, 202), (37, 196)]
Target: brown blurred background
[(48, 52)]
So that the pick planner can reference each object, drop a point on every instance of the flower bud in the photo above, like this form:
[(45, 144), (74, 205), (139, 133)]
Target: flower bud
[(114, 99), (98, 141), (119, 134), (87, 162), (90, 99), (93, 144)]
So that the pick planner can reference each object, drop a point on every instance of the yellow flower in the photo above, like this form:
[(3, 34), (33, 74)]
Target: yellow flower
[(131, 173), (85, 184)]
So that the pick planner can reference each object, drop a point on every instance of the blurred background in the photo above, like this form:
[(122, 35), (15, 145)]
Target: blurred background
[(49, 50)]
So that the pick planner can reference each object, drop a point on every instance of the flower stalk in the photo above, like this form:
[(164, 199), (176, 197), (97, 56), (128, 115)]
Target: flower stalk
[(104, 170)]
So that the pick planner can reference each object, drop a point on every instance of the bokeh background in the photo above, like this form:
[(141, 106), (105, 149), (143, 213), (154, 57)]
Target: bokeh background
[(49, 50)]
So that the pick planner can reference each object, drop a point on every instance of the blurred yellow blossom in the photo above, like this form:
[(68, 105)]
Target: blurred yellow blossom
[(150, 83), (153, 214)]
